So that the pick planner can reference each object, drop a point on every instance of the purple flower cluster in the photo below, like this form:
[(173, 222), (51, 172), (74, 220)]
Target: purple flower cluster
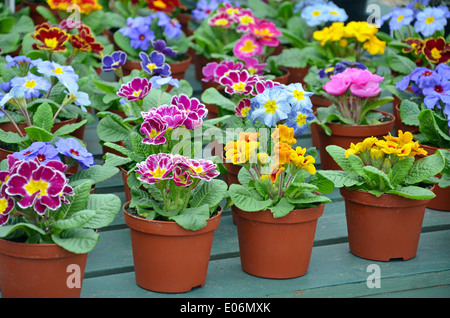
[(432, 85), (339, 68), (44, 152), (180, 169), (33, 184), (183, 111)]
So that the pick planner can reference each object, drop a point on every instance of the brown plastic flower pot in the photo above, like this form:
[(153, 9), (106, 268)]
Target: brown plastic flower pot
[(168, 258), (383, 228), (277, 248), (40, 271)]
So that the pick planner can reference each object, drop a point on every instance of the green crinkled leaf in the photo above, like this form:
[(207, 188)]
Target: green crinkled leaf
[(338, 154), (78, 241), (400, 64), (209, 193), (282, 208), (425, 168), (43, 117), (10, 137), (430, 128), (96, 173), (445, 179), (245, 200), (6, 230), (38, 134), (409, 113), (413, 192), (213, 96), (111, 130), (399, 171), (106, 207), (67, 129), (79, 199), (377, 177), (192, 218), (113, 160), (340, 178), (309, 198), (76, 220)]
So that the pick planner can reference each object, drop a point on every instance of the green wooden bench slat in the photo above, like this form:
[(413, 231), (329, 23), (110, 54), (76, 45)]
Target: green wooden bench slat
[(331, 265)]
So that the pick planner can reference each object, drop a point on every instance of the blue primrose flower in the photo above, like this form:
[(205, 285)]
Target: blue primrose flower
[(171, 29), (133, 23), (114, 61), (398, 17), (298, 119), (297, 97), (158, 81), (72, 148), (203, 9), (78, 98), (155, 64), (32, 85), (140, 37), (43, 151), (65, 74), (270, 107), (161, 47), (430, 20)]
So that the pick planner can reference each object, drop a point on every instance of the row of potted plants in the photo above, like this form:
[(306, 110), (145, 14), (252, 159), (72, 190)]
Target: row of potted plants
[(53, 89)]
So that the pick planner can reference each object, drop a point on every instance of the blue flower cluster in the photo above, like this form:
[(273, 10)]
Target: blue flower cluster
[(427, 20), (320, 12), (140, 33), (289, 103)]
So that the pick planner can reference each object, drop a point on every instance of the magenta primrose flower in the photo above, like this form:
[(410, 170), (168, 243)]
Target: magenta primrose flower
[(238, 82), (247, 46), (214, 71), (201, 169), (136, 89), (40, 186), (245, 18), (242, 108), (220, 20), (154, 127), (155, 168), (172, 115), (194, 110), (266, 32)]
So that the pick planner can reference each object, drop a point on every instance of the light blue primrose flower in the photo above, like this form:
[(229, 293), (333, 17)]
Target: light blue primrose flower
[(297, 97), (430, 20), (32, 85), (398, 17), (270, 107), (78, 98), (171, 29), (65, 74)]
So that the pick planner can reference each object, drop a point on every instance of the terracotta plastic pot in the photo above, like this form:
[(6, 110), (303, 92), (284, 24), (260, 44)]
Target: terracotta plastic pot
[(383, 228), (40, 271), (168, 258), (399, 125), (442, 200), (344, 135), (297, 74), (277, 248), (283, 79), (126, 188)]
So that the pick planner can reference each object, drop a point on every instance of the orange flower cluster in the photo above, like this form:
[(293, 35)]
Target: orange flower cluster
[(86, 6)]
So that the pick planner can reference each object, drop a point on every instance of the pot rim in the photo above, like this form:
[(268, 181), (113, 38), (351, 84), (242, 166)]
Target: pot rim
[(385, 200), (171, 227), (11, 248), (295, 216)]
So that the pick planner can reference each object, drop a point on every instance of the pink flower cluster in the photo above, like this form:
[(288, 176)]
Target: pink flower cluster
[(214, 71), (257, 32), (360, 83), (32, 184), (180, 169), (183, 111)]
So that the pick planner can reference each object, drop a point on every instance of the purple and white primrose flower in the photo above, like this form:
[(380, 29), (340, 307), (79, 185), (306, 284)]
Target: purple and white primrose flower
[(39, 186), (171, 114), (136, 89), (154, 127), (155, 168), (201, 169), (155, 64), (195, 111), (238, 82)]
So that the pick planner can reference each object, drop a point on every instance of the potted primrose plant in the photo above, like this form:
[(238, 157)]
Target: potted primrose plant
[(277, 198), (386, 184), (352, 116), (48, 222), (175, 200)]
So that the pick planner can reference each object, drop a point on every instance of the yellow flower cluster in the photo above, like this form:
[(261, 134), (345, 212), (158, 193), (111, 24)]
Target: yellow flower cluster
[(373, 150), (244, 149), (360, 31), (86, 6)]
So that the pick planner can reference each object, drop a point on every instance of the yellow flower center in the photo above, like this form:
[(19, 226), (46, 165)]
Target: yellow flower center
[(429, 20), (316, 13), (159, 4), (301, 119), (248, 46), (58, 70), (436, 53), (244, 111), (52, 43), (3, 205), (158, 173), (153, 133), (246, 19), (137, 93), (197, 169), (239, 86), (271, 106), (35, 186), (30, 84), (263, 32), (298, 95), (221, 22), (151, 66), (333, 12), (400, 17)]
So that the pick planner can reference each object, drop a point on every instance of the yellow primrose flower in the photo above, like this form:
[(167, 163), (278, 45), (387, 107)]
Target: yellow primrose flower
[(240, 151), (354, 149), (263, 158), (275, 173), (361, 30), (299, 160), (284, 134), (376, 153), (282, 153), (374, 46)]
